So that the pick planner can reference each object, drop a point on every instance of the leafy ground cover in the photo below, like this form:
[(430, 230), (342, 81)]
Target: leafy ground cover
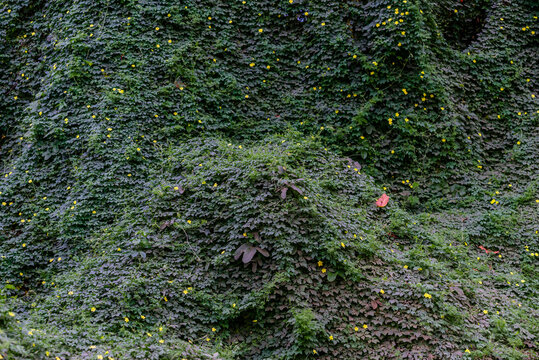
[(198, 179)]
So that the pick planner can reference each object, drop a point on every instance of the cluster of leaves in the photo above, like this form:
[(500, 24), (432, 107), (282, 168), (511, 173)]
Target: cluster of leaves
[(341, 69), (208, 200), (341, 278)]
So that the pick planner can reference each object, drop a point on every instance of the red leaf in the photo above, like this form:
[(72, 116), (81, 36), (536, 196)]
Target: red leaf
[(382, 201), (487, 250)]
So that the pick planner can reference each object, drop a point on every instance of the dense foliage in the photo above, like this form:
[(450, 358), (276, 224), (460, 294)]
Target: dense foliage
[(197, 179)]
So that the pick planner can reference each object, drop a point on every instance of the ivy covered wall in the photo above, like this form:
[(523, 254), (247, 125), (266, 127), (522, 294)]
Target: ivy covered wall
[(142, 143)]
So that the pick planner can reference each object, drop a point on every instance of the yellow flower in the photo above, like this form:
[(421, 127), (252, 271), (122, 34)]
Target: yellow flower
[(382, 291), (126, 319), (365, 326), (11, 314), (427, 295), (260, 30), (92, 309), (356, 328), (161, 341), (323, 270), (330, 337), (320, 263)]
